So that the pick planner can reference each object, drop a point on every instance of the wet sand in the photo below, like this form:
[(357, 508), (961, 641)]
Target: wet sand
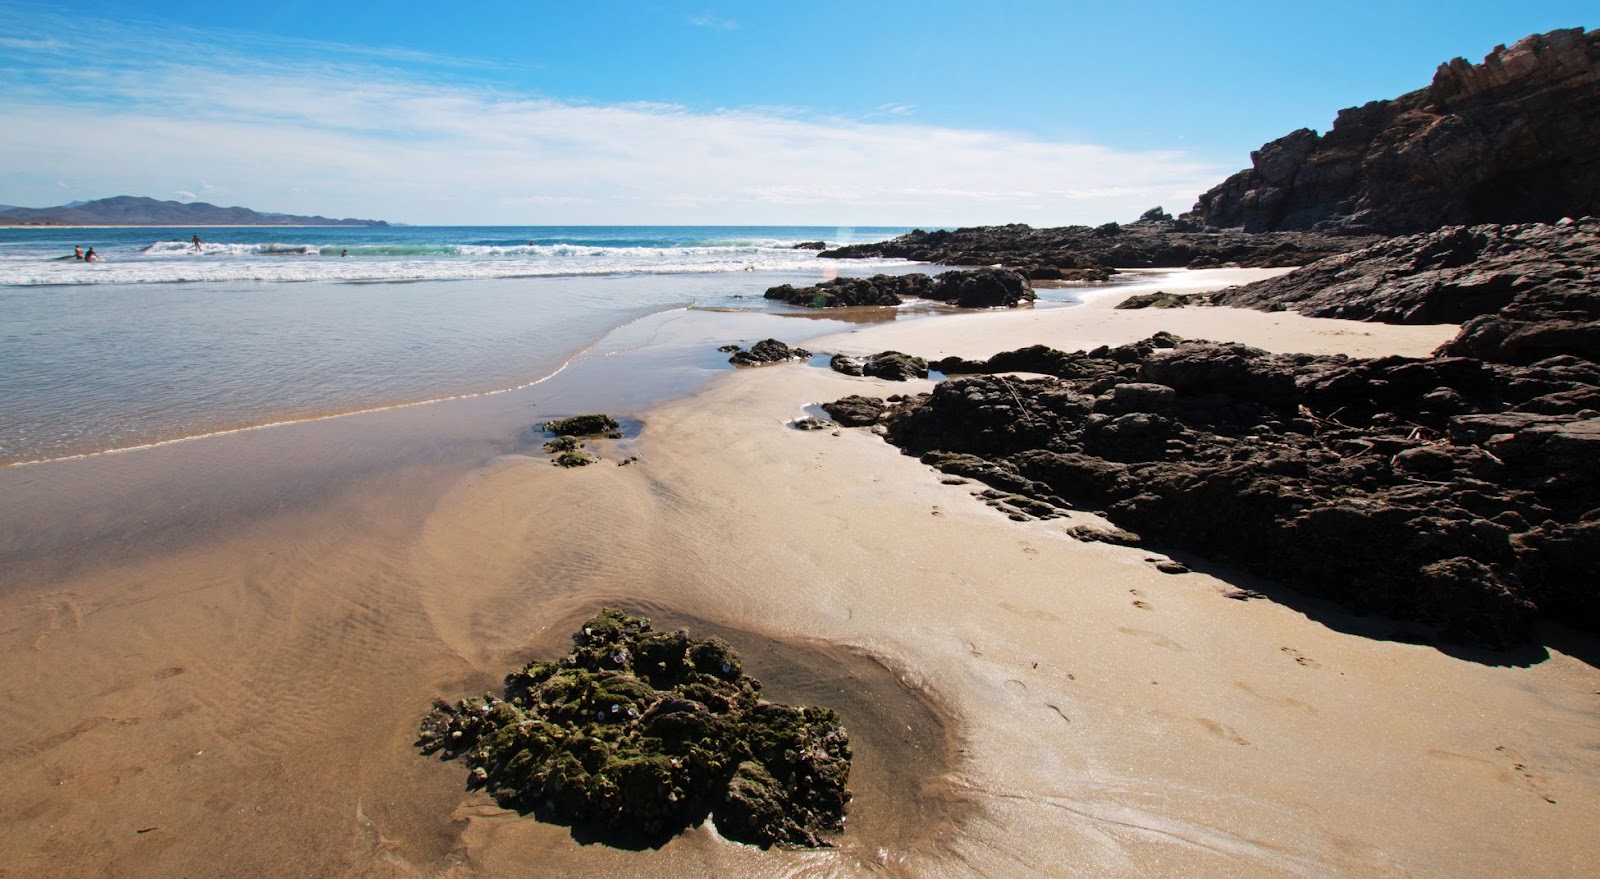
[(226, 673)]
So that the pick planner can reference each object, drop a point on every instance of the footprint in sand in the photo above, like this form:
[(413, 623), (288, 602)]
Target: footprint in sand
[(1507, 766), (1142, 605), (1301, 658), (1221, 731), (1042, 616), (1287, 701), (53, 616), (1155, 638), (1528, 778)]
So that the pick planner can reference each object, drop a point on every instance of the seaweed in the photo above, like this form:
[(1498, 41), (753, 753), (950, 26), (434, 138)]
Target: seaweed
[(637, 734), (593, 424), (563, 444)]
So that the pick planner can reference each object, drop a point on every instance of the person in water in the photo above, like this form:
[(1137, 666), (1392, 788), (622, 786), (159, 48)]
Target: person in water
[(344, 253), (197, 243), (91, 256), (77, 252)]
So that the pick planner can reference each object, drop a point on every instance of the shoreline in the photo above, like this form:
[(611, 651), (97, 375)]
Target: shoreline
[(257, 690)]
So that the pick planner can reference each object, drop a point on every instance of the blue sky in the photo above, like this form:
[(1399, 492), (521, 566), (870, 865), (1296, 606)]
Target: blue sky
[(931, 113)]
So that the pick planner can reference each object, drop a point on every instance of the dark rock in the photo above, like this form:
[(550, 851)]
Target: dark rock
[(844, 292), (855, 410), (812, 424), (1168, 566), (1116, 536), (1092, 254), (1128, 397), (981, 288), (1359, 480), (638, 734), (1048, 361), (1158, 299), (811, 245), (895, 366), (1514, 139), (768, 351), (846, 365), (1526, 292), (582, 425)]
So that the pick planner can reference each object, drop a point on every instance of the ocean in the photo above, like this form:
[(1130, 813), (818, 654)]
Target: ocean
[(270, 324)]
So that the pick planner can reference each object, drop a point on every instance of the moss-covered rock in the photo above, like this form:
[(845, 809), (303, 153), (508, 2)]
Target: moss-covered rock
[(575, 458), (593, 424), (637, 734), (563, 444)]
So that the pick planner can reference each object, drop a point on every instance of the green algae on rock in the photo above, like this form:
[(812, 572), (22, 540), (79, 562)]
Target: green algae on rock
[(563, 444), (583, 425), (575, 458), (637, 734)]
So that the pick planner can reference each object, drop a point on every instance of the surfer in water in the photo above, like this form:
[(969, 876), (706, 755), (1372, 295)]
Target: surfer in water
[(91, 256), (197, 243), (77, 252)]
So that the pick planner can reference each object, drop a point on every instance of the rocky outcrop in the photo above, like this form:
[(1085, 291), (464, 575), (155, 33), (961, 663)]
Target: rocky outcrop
[(895, 366), (637, 734), (1514, 139), (979, 288), (1084, 253), (856, 410), (1525, 292), (1158, 299), (592, 424), (811, 245), (764, 352), (1448, 490), (845, 292)]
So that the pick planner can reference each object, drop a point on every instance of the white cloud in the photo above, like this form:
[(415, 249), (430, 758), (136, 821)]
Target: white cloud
[(711, 21), (372, 142), (185, 195)]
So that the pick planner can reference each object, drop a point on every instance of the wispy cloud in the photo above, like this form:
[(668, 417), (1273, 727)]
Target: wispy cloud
[(715, 23), (185, 194), (358, 138)]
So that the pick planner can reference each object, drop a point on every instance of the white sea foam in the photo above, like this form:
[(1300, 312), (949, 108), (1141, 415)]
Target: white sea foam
[(178, 261)]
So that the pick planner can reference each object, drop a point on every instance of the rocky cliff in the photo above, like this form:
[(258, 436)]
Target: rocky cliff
[(1514, 139), (1524, 292)]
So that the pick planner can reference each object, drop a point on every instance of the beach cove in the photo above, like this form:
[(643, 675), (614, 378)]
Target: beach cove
[(218, 650)]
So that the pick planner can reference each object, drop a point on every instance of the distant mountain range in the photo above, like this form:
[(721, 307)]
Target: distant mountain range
[(132, 210)]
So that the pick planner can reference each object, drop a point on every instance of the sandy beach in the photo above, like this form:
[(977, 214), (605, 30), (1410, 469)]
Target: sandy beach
[(229, 682)]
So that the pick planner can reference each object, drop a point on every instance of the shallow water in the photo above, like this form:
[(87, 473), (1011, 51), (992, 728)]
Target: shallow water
[(92, 368)]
